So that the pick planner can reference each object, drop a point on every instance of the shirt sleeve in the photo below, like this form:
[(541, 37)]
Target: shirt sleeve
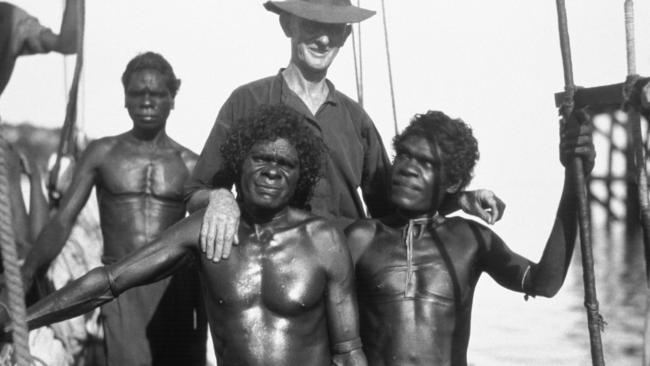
[(376, 171), (210, 161)]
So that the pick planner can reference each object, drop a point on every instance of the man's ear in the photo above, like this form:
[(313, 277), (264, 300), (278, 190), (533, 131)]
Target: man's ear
[(285, 23), (348, 31), (453, 188)]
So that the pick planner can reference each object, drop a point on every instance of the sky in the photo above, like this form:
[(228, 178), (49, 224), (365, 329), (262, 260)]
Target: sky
[(495, 64)]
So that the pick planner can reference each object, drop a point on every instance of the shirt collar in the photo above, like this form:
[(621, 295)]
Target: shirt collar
[(282, 88)]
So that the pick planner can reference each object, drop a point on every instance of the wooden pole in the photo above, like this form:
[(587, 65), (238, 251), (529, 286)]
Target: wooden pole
[(639, 157), (594, 319)]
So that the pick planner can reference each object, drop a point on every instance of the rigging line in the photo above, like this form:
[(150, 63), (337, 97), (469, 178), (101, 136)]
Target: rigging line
[(356, 70), (360, 60), (67, 130), (390, 72)]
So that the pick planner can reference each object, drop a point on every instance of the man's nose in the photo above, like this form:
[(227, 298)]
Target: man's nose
[(147, 100), (324, 39), (271, 171), (407, 168)]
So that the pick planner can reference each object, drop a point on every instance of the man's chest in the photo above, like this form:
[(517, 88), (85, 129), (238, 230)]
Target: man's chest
[(286, 281), (424, 269), (156, 173)]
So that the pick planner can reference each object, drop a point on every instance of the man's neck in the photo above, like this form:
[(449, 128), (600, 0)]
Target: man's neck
[(146, 137), (312, 89)]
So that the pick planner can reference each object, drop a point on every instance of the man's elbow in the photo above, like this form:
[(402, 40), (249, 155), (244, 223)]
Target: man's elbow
[(548, 289)]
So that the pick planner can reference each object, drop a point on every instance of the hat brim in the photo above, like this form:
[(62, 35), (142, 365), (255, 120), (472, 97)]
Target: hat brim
[(320, 13)]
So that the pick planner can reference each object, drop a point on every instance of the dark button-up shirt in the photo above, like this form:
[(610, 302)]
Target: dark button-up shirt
[(356, 157)]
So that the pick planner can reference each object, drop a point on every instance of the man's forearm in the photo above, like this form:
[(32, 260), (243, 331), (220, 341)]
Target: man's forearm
[(199, 199), (66, 41), (548, 275), (355, 357), (77, 298), (48, 245)]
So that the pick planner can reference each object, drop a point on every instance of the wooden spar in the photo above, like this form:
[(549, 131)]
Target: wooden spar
[(591, 303), (67, 131)]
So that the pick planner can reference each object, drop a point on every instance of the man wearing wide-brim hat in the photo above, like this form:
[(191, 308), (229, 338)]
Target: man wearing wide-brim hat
[(356, 159)]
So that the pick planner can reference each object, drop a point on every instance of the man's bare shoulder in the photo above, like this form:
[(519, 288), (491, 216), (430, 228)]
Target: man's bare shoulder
[(101, 147), (188, 156), (324, 234), (364, 228)]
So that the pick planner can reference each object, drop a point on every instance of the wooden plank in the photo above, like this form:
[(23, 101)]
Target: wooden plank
[(600, 97)]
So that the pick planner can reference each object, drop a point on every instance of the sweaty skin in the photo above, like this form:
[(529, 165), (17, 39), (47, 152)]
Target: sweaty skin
[(139, 177), (285, 296), (415, 303), (416, 271)]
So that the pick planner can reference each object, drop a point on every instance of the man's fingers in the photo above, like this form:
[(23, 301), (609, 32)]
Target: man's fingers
[(480, 211), (229, 236), (219, 239), (497, 213), (210, 238), (235, 238), (203, 238)]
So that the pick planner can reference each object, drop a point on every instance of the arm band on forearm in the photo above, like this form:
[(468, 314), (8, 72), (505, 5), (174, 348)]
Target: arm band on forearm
[(111, 284), (347, 346)]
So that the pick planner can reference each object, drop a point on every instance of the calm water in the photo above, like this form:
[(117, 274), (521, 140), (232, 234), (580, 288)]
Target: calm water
[(510, 331)]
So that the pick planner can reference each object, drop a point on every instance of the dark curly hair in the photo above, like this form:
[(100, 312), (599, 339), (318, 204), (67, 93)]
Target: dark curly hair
[(453, 137), (269, 123), (152, 61)]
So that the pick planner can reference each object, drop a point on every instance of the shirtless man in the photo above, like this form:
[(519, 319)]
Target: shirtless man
[(286, 295), (416, 270), (139, 177)]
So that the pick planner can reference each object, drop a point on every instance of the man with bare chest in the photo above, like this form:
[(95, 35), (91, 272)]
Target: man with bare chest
[(417, 271), (139, 177), (286, 294)]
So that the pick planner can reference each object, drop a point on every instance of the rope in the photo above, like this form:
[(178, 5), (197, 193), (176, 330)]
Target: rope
[(390, 72), (594, 319), (67, 131), (357, 72), (16, 294)]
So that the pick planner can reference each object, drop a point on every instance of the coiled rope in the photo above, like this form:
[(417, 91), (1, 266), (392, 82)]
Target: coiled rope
[(13, 279)]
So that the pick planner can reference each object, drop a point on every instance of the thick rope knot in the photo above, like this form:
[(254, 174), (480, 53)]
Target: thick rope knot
[(631, 95), (592, 310), (568, 104)]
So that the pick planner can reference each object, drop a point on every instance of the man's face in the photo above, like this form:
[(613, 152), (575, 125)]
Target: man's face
[(418, 181), (269, 176), (148, 99), (315, 45)]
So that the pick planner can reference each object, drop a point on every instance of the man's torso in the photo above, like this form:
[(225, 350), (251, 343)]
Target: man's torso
[(415, 302), (140, 193), (266, 302)]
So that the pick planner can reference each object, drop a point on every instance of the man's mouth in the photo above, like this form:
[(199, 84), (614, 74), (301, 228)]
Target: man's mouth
[(405, 185)]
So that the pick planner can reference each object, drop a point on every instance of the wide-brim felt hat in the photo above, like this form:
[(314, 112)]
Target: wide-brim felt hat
[(323, 11)]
